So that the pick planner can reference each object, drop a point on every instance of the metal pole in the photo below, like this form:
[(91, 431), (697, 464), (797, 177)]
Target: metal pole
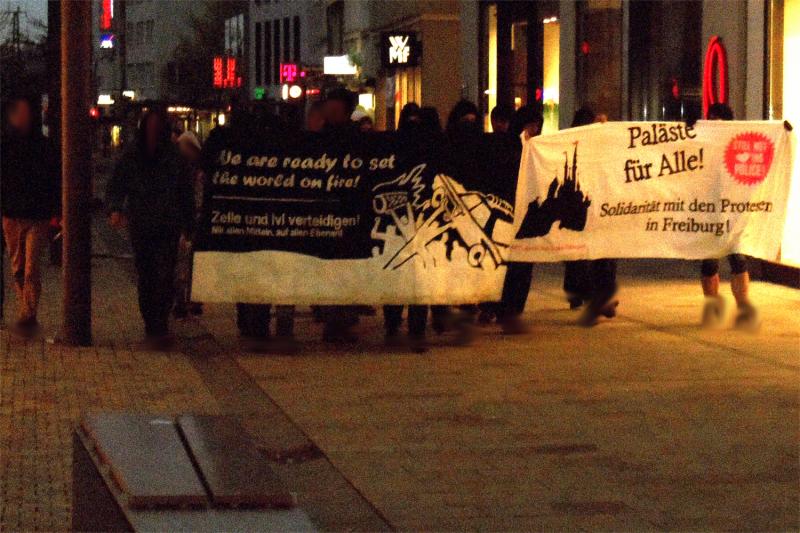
[(76, 61)]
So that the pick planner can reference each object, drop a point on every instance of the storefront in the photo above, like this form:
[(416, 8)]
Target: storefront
[(406, 73), (782, 87), (519, 50), (401, 52)]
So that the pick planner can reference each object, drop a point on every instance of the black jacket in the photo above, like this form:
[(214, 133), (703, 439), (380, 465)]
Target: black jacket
[(158, 191), (30, 178)]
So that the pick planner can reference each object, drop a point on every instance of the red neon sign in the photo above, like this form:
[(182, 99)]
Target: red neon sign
[(288, 72), (106, 14), (715, 56), (224, 73)]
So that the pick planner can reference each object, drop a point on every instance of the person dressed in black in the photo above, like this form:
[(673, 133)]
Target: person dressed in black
[(339, 320), (412, 129), (502, 117), (151, 193), (591, 282), (526, 123)]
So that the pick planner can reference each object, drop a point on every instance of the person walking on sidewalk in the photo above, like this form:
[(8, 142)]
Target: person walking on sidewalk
[(714, 310), (190, 149), (526, 123), (155, 185), (31, 192)]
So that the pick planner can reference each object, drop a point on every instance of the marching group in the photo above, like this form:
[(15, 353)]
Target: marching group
[(156, 192)]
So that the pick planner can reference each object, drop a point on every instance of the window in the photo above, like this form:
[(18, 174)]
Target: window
[(140, 33), (257, 55), (267, 54), (276, 50), (335, 22), (664, 61), (286, 41), (149, 31), (296, 34), (783, 86)]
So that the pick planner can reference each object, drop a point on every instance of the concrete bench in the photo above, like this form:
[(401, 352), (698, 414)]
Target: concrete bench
[(200, 473)]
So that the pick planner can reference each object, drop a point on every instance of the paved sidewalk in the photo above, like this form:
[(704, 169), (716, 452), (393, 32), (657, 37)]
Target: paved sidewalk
[(645, 422)]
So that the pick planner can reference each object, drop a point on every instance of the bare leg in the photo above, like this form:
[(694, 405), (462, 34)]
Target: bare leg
[(740, 286), (711, 285)]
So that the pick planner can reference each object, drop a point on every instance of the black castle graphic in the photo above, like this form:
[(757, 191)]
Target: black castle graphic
[(565, 202)]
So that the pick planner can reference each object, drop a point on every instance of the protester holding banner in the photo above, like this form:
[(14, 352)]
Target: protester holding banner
[(190, 150), (714, 309), (339, 320), (154, 184), (526, 123), (411, 129), (593, 282)]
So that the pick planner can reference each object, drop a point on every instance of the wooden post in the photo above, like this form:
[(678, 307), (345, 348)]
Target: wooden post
[(76, 61)]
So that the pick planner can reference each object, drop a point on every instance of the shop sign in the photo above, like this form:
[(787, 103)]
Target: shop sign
[(715, 66), (225, 73), (400, 49)]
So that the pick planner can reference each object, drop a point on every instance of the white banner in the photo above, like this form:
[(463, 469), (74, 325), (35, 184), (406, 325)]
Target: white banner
[(659, 190)]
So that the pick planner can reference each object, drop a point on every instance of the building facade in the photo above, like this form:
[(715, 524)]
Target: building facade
[(134, 44), (303, 34), (638, 60)]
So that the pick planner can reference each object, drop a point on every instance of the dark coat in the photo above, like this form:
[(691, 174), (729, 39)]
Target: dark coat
[(158, 191), (30, 178)]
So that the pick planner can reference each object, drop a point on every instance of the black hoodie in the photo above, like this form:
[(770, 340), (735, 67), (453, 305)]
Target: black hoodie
[(30, 178)]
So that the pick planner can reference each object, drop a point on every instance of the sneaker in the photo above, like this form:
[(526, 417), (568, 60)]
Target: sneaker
[(339, 336), (285, 344), (465, 332), (514, 326), (26, 329), (575, 302), (417, 343), (609, 310), (156, 343), (713, 312), (591, 315), (255, 344), (485, 318), (393, 339), (747, 318)]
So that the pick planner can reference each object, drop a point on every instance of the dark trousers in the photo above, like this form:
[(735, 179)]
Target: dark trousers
[(594, 280), (516, 287), (154, 256), (577, 280), (338, 318), (253, 320), (417, 318), (710, 267)]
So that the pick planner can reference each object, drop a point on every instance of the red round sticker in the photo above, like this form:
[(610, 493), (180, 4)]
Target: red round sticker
[(748, 157)]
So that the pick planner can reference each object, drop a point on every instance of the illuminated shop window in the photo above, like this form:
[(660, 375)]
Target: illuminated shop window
[(783, 81), (552, 31)]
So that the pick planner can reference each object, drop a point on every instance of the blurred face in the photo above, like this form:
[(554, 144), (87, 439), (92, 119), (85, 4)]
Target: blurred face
[(152, 133), (500, 125), (531, 129), (469, 118), (315, 120), (189, 151), (336, 113), (366, 124), (20, 117)]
